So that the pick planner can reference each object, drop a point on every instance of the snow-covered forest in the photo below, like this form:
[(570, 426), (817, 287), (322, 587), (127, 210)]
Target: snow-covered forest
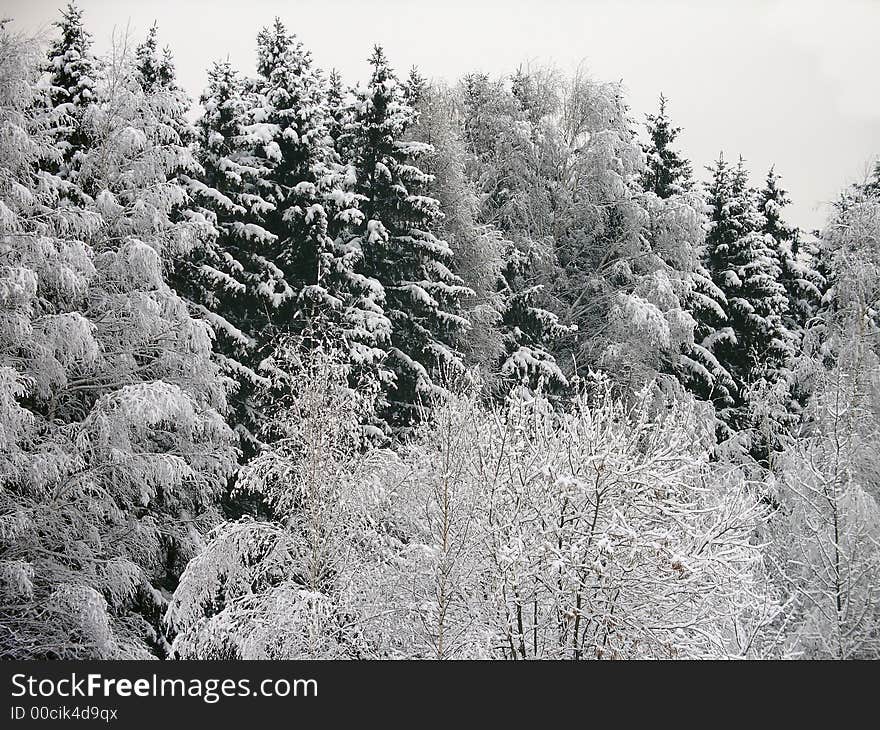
[(316, 367)]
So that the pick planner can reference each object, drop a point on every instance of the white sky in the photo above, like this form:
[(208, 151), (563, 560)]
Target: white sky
[(793, 83)]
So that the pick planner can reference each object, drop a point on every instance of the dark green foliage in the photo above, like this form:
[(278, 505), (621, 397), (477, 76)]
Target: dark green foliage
[(400, 249)]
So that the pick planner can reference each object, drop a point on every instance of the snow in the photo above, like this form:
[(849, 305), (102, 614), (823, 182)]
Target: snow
[(491, 370), (731, 279)]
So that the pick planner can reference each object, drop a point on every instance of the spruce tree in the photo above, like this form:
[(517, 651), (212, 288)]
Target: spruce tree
[(400, 248), (155, 66), (301, 172), (415, 87), (529, 329), (745, 268), (283, 263), (157, 76), (315, 210), (668, 174), (336, 106), (232, 280), (666, 171), (154, 72), (703, 373), (222, 274), (71, 72), (802, 282)]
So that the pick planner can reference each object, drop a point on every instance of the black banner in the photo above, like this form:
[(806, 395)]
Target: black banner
[(222, 694)]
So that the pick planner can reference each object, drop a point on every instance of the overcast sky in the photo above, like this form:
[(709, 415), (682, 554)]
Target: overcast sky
[(793, 83)]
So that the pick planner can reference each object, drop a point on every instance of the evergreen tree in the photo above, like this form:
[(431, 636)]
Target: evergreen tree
[(284, 263), (337, 108), (529, 330), (157, 76), (400, 248), (668, 175), (666, 171), (71, 69), (232, 280), (745, 268), (703, 373), (415, 87), (291, 93), (798, 275), (155, 67), (315, 210), (224, 276)]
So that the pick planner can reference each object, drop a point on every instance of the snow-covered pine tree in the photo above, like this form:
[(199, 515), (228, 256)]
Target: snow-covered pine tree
[(668, 175), (220, 181), (415, 87), (293, 113), (799, 275), (803, 283), (702, 372), (401, 251), (155, 66), (157, 76), (71, 73), (337, 106), (529, 330), (666, 172), (231, 279), (745, 268), (334, 300)]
